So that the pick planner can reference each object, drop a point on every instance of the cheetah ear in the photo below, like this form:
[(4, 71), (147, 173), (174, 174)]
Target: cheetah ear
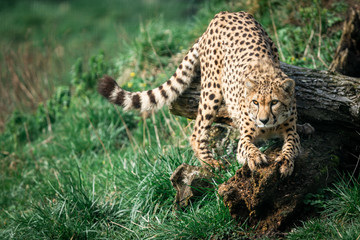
[(249, 84), (288, 85)]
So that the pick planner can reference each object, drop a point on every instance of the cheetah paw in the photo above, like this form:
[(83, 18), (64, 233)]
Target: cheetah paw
[(256, 159), (287, 166)]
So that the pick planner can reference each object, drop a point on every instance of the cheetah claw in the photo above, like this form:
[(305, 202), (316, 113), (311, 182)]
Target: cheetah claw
[(256, 160), (287, 166)]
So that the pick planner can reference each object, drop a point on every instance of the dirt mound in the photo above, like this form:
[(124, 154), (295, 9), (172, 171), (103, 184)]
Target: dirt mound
[(270, 203)]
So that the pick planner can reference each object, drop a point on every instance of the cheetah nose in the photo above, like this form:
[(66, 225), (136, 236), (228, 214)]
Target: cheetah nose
[(264, 121)]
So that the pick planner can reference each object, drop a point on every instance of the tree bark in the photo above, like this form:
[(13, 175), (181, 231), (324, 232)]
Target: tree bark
[(322, 96), (347, 56)]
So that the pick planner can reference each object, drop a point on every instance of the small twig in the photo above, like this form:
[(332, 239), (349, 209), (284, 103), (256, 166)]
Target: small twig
[(156, 130), (356, 166), (313, 61), (117, 224), (46, 141), (101, 142), (338, 232), (308, 43), (319, 48), (167, 121), (130, 136), (17, 83), (275, 32), (154, 50), (27, 77), (146, 130), (178, 124), (142, 227), (57, 179)]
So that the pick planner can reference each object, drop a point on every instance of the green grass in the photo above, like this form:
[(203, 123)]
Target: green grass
[(340, 217), (76, 167)]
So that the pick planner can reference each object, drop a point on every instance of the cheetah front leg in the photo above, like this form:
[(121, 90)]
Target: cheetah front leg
[(248, 152), (210, 100), (290, 149)]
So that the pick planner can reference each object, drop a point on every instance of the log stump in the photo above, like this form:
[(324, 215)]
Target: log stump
[(271, 204), (190, 182), (322, 97)]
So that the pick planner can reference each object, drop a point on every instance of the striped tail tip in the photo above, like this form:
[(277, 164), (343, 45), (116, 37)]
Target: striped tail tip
[(106, 85)]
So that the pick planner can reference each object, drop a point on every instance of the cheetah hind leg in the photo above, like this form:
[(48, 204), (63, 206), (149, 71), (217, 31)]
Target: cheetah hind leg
[(199, 138), (201, 150)]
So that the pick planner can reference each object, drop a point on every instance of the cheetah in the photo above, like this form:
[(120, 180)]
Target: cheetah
[(239, 66)]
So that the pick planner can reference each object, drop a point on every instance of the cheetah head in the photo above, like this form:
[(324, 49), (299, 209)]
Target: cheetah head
[(269, 103)]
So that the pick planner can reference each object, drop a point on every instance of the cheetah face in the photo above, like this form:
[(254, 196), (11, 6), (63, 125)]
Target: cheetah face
[(269, 105)]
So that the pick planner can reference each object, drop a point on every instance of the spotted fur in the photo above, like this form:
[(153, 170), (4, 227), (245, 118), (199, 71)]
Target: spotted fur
[(155, 98), (239, 64)]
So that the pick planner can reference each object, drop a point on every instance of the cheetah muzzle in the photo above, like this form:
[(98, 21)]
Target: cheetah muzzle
[(239, 65)]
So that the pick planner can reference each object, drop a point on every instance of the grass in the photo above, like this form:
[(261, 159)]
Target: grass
[(76, 167), (340, 217)]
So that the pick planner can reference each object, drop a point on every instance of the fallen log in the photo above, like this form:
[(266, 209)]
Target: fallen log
[(322, 96)]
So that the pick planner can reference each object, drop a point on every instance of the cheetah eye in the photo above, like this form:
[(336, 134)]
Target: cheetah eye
[(255, 102), (274, 102)]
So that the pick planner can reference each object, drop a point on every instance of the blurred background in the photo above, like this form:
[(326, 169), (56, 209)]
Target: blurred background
[(41, 40)]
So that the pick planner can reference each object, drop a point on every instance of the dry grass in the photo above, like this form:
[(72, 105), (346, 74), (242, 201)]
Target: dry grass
[(24, 78)]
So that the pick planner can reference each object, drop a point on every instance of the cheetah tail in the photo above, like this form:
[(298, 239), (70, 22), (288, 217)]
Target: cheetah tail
[(156, 98)]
